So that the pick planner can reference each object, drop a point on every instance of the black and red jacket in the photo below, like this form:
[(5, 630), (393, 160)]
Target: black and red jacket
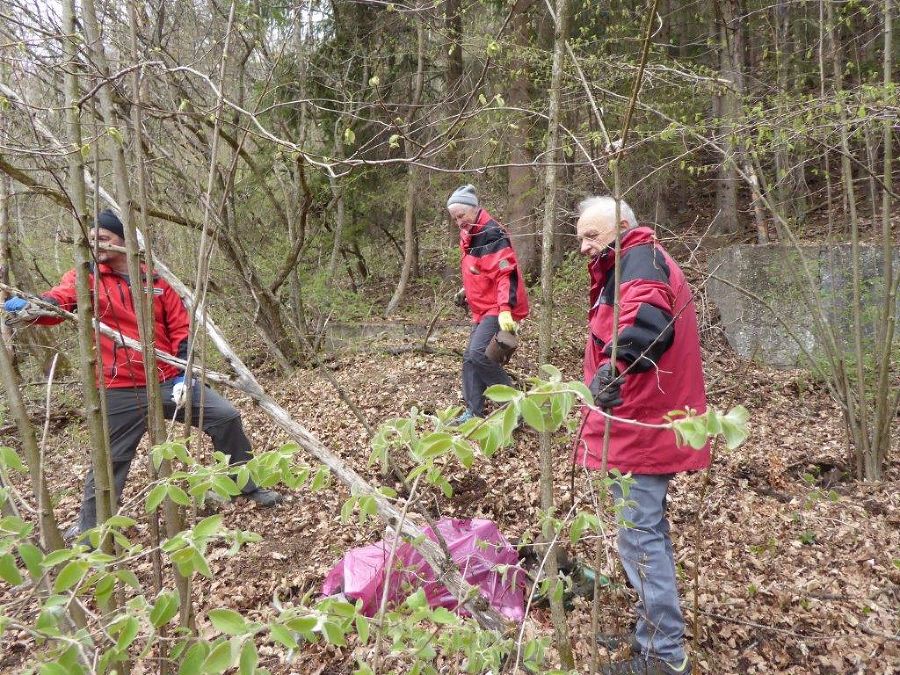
[(122, 366), (659, 351), (490, 272)]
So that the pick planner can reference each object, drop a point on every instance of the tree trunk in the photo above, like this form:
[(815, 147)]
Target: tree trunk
[(557, 611), (105, 497), (409, 216), (522, 184), (731, 51)]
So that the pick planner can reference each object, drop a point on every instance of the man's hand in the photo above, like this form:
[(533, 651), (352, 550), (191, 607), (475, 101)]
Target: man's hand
[(459, 299), (507, 323), (13, 305), (605, 387), (180, 391)]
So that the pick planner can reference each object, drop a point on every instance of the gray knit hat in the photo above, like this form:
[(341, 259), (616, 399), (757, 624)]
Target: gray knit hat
[(463, 195)]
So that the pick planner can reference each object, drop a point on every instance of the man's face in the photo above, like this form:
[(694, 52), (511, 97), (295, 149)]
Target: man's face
[(595, 232), (463, 215), (102, 236)]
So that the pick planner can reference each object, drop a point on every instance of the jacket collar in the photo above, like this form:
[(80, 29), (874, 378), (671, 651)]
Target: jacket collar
[(600, 264)]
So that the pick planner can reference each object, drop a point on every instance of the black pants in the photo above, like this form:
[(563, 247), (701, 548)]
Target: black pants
[(479, 372), (126, 411)]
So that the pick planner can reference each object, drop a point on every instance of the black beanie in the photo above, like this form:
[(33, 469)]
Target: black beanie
[(107, 220)]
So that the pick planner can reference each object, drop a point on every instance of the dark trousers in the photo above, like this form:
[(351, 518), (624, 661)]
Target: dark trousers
[(479, 372), (126, 411)]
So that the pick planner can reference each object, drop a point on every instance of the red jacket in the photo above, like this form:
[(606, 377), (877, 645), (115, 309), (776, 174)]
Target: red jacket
[(124, 367), (490, 272), (660, 347)]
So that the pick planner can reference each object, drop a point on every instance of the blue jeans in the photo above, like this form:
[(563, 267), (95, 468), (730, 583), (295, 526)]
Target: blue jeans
[(646, 554), (478, 371)]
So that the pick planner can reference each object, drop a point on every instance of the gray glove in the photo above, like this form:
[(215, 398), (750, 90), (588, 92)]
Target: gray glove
[(460, 298)]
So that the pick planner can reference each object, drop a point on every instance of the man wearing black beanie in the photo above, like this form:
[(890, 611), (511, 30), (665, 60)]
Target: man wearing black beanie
[(123, 368)]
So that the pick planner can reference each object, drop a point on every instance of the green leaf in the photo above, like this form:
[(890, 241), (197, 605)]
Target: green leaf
[(434, 445), (70, 575), (127, 633), (302, 624), (128, 577), (228, 621), (53, 669), (194, 657), (219, 659), (10, 460), (349, 136), (347, 510), (464, 453), (532, 415), (442, 615), (31, 555), (554, 372), (200, 564), (208, 526), (583, 392), (9, 572), (155, 498), (281, 634), (249, 658), (362, 629), (320, 480), (165, 608), (179, 496), (510, 419), (120, 522), (333, 633), (56, 557), (501, 393)]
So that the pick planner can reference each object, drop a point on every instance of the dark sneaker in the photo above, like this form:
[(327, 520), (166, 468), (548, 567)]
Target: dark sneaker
[(639, 665), (265, 497)]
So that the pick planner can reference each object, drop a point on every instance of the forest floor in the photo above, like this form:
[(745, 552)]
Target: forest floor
[(799, 564)]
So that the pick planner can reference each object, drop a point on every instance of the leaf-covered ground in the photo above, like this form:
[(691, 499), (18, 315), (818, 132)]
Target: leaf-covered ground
[(798, 564)]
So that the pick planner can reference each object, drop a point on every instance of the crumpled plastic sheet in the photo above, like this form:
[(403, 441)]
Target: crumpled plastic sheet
[(484, 557)]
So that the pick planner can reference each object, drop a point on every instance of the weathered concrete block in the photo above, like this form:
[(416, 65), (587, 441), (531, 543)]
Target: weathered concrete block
[(774, 274)]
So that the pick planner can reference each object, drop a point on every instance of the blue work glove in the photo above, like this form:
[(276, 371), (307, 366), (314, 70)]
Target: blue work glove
[(13, 305), (180, 391), (605, 387)]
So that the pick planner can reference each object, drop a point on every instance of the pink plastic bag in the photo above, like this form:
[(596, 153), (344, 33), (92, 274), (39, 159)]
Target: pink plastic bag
[(476, 546)]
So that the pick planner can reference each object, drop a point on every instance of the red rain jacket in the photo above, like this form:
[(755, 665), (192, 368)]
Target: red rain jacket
[(490, 272), (124, 367), (660, 347)]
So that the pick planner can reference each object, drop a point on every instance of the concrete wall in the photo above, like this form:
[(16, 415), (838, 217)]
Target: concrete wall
[(774, 273)]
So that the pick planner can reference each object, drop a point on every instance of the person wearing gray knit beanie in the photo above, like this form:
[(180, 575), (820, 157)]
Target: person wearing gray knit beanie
[(465, 195), (493, 290)]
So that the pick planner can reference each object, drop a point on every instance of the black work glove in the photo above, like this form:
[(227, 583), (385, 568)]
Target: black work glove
[(460, 298), (605, 387)]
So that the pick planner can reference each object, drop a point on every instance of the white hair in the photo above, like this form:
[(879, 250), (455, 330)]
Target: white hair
[(606, 207)]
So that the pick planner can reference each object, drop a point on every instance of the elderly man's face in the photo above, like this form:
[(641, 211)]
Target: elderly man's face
[(102, 236), (596, 232), (463, 215)]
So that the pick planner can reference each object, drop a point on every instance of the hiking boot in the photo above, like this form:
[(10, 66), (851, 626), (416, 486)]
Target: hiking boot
[(263, 497), (613, 641), (640, 665), (462, 419), (70, 535)]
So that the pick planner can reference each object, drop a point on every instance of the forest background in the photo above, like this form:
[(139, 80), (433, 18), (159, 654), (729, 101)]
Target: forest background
[(291, 162)]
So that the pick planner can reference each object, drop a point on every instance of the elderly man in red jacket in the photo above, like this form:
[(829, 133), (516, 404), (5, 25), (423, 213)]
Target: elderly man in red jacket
[(123, 369), (494, 290), (657, 370)]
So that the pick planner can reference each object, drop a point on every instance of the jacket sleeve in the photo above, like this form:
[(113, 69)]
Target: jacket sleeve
[(63, 295), (646, 317), (504, 268), (177, 321)]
